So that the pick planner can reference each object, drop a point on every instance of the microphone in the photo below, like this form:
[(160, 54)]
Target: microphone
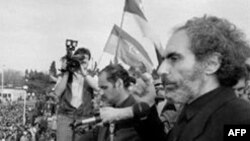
[(91, 120), (94, 119)]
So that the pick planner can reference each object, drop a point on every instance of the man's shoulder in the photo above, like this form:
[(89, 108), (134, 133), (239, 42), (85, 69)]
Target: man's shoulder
[(226, 103), (128, 102), (238, 105), (234, 111)]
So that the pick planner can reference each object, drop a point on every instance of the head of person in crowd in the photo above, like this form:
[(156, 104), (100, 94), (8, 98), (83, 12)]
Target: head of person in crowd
[(202, 55), (242, 88), (114, 82), (29, 136), (83, 55)]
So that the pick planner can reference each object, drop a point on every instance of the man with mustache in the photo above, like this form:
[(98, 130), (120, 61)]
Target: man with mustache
[(202, 61), (114, 82)]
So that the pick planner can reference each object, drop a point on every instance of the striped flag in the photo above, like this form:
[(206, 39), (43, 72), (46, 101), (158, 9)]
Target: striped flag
[(135, 8), (129, 50)]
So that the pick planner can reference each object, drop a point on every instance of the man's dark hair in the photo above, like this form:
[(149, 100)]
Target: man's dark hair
[(115, 72), (83, 50), (209, 35)]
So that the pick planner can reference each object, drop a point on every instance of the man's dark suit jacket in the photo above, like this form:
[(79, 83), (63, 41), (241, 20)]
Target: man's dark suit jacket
[(204, 118)]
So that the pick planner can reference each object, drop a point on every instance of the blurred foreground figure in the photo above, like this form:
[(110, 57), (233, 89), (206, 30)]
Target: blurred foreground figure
[(202, 61)]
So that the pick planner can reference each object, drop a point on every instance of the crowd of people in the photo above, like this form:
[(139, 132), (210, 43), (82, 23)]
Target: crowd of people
[(11, 120), (36, 127), (198, 88)]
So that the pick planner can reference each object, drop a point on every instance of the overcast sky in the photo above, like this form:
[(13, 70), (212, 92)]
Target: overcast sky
[(33, 32)]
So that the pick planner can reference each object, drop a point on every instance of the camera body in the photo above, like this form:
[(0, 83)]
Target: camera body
[(73, 62)]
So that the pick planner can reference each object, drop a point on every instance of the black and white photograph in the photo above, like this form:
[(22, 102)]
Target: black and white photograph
[(124, 70)]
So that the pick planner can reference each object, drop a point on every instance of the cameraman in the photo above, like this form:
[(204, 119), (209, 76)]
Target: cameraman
[(75, 92)]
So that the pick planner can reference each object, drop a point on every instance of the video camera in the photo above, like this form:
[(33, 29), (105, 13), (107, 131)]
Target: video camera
[(72, 62)]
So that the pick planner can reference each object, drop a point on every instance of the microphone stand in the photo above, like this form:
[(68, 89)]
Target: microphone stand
[(111, 131)]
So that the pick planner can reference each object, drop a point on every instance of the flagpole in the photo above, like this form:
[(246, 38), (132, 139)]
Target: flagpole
[(121, 24), (99, 60), (92, 66), (118, 43)]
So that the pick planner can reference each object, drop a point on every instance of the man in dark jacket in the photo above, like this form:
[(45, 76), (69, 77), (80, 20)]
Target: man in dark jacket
[(114, 81), (202, 61)]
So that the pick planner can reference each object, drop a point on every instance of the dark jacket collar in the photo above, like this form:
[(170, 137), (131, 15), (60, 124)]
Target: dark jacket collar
[(129, 101), (213, 100), (193, 108)]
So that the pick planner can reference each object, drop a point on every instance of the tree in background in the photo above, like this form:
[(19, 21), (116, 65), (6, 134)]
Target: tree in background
[(52, 69), (37, 82), (12, 78), (53, 72)]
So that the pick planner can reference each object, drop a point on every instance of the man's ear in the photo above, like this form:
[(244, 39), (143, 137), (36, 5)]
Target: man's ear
[(119, 83), (213, 63)]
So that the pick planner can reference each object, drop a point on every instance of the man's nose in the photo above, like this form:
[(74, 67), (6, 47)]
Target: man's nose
[(164, 68), (101, 92)]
